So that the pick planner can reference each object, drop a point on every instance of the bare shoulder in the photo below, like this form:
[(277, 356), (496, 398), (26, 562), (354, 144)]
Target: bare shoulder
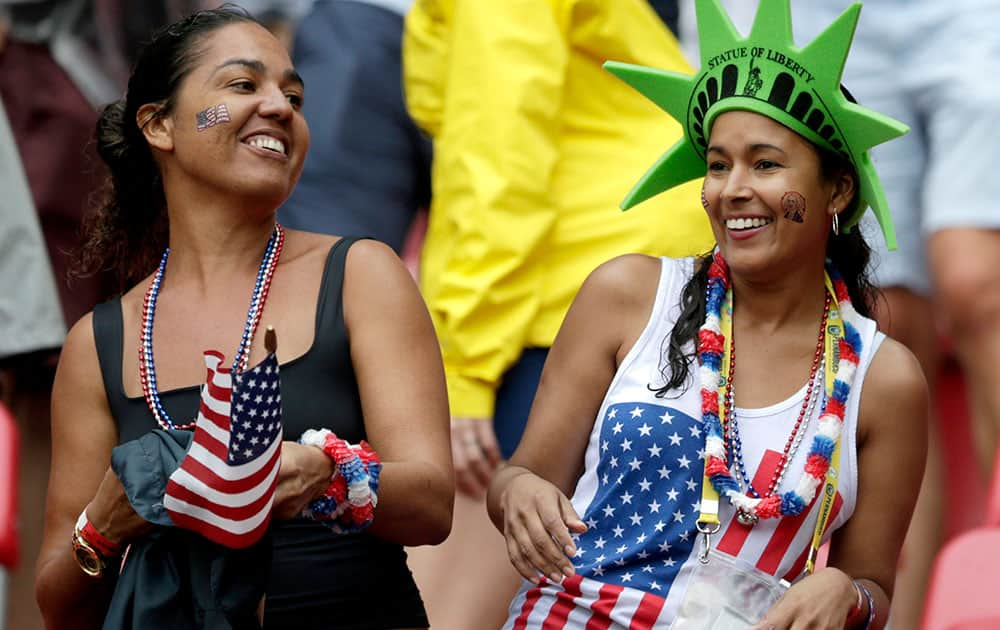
[(628, 281), (373, 251), (79, 351), (377, 283), (79, 384), (306, 254), (895, 392), (613, 305), (373, 261), (894, 373), (366, 256)]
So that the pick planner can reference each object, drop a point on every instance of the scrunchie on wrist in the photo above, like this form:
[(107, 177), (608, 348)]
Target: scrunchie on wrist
[(348, 505)]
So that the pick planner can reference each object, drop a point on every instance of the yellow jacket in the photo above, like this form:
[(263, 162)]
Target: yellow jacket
[(534, 147)]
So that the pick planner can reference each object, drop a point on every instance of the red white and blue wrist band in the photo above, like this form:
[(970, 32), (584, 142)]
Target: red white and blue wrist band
[(348, 505)]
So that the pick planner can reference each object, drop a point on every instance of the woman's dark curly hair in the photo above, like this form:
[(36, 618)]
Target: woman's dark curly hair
[(849, 253), (127, 231)]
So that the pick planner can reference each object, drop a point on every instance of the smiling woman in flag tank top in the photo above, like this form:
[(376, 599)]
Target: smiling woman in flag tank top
[(207, 143), (703, 425)]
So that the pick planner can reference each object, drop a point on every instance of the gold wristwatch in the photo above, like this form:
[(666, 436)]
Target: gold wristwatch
[(90, 560), (87, 557)]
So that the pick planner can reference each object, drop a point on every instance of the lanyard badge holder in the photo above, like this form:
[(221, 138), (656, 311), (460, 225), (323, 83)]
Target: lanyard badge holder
[(728, 593)]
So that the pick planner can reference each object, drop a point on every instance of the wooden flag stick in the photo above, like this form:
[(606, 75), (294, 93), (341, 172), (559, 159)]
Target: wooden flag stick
[(270, 340)]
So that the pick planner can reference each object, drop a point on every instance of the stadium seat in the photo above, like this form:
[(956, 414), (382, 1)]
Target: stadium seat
[(963, 593), (993, 497)]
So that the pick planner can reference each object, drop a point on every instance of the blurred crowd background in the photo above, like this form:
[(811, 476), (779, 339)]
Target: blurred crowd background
[(371, 171)]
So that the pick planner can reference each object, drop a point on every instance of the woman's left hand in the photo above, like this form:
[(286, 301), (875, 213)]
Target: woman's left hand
[(304, 476), (821, 601), (476, 454)]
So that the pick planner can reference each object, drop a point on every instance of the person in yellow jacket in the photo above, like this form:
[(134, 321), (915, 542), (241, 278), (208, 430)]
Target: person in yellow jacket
[(535, 145)]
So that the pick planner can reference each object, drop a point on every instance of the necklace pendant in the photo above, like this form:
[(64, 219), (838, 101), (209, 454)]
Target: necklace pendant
[(748, 519)]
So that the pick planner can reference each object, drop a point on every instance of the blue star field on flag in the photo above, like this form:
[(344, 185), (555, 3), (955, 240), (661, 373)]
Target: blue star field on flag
[(648, 494), (256, 415)]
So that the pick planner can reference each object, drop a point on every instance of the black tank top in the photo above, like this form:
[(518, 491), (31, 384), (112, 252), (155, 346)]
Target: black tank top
[(318, 579)]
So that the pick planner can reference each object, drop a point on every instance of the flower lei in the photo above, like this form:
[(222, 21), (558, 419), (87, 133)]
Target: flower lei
[(711, 345), (348, 505)]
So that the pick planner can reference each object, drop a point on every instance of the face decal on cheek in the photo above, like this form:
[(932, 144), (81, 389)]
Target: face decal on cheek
[(704, 199), (212, 116), (794, 205)]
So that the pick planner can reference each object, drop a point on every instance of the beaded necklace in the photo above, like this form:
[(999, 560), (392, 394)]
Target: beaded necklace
[(711, 347), (791, 447), (730, 426), (147, 369)]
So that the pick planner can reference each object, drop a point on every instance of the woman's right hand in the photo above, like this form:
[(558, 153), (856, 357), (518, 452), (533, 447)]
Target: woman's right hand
[(111, 513), (538, 522)]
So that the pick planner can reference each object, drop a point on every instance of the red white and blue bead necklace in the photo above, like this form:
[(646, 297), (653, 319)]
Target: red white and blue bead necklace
[(711, 347), (730, 424), (147, 369)]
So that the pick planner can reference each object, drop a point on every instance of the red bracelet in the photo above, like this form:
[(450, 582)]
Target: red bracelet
[(95, 538)]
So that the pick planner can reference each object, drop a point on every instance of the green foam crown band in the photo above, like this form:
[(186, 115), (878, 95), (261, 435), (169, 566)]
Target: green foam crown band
[(767, 74)]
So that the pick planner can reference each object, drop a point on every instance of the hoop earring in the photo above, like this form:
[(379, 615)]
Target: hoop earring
[(836, 223)]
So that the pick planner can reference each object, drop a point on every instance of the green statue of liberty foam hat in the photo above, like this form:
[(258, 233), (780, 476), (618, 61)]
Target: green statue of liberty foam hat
[(767, 74)]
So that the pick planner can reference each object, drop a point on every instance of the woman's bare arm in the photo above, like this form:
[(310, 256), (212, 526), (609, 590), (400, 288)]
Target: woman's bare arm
[(528, 499), (401, 381), (892, 444), (83, 434), (892, 447)]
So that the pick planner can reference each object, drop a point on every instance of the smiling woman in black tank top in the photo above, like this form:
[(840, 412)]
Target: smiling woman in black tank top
[(208, 142)]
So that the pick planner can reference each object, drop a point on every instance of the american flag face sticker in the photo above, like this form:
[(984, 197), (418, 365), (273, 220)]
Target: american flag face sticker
[(212, 116)]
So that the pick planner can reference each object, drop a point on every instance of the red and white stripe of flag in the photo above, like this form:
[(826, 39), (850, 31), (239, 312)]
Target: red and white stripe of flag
[(579, 603), (230, 505)]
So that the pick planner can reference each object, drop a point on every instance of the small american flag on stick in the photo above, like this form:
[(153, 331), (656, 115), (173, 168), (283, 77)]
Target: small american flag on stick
[(224, 486)]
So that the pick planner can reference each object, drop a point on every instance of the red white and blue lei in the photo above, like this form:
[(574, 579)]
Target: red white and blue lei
[(711, 346)]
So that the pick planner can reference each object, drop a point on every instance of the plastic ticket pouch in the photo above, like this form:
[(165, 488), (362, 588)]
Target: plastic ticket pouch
[(727, 594)]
